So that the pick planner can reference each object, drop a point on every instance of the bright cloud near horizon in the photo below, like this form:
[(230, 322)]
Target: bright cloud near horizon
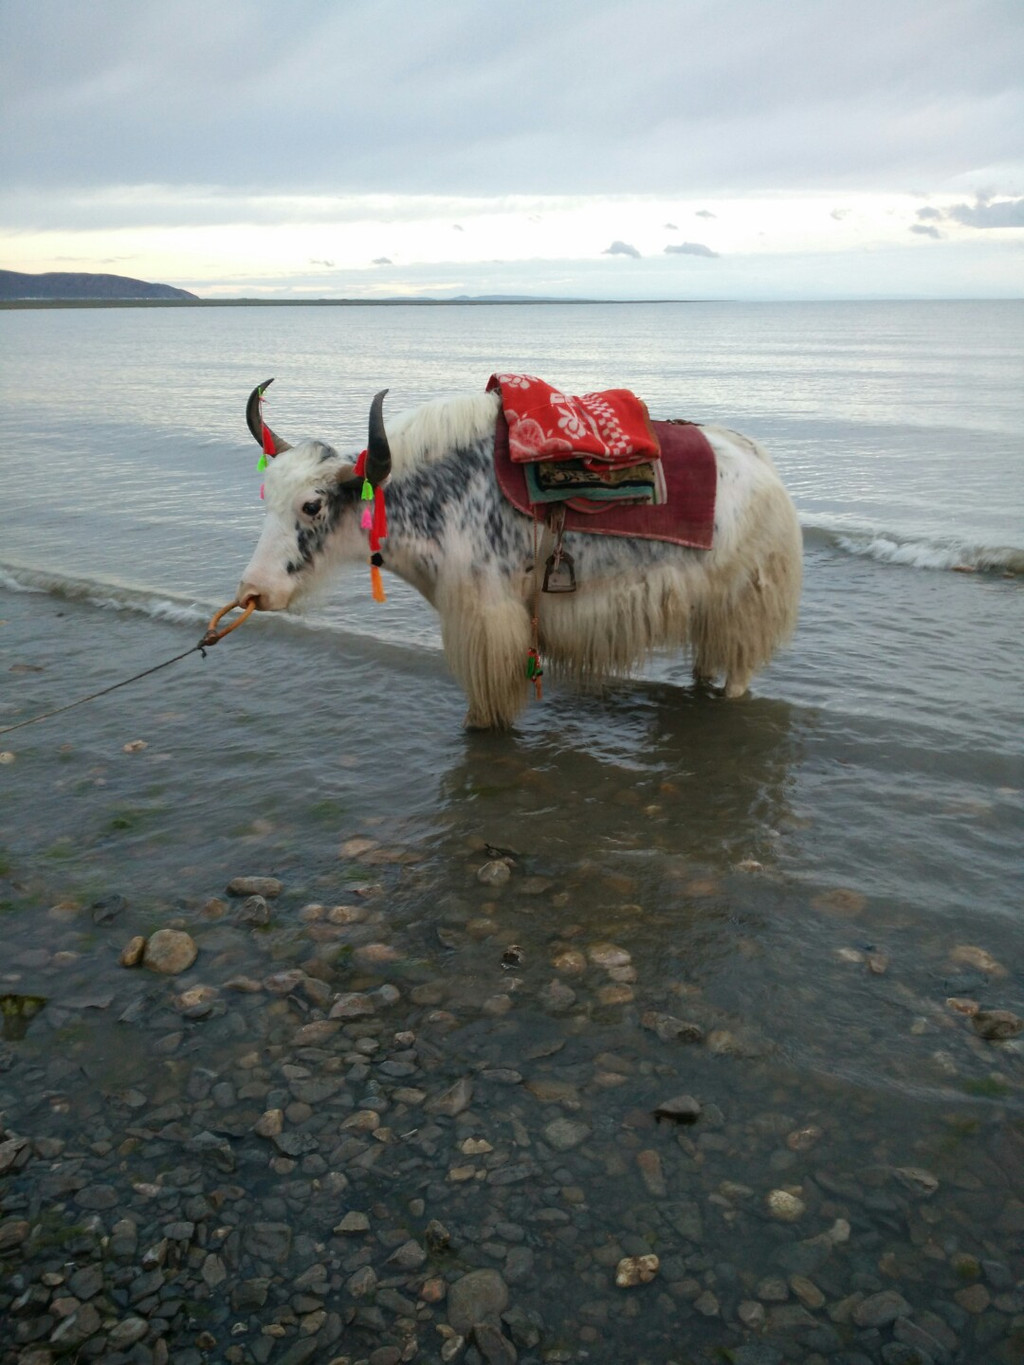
[(571, 148)]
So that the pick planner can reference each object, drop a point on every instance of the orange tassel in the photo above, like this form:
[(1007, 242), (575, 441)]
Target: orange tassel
[(376, 584)]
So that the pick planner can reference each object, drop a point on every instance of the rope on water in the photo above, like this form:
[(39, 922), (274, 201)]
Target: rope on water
[(210, 638)]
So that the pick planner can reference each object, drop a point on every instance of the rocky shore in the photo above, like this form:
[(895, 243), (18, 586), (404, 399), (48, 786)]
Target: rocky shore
[(272, 1131)]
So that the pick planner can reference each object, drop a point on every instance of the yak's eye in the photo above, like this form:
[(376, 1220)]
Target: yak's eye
[(312, 507)]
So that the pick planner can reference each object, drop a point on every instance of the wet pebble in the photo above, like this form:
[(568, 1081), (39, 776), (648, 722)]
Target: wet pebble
[(679, 1109), (495, 873), (170, 951), (995, 1025), (785, 1205), (268, 887), (564, 1134), (635, 1270), (476, 1297)]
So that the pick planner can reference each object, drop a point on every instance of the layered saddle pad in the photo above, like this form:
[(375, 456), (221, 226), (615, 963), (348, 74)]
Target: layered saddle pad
[(686, 517)]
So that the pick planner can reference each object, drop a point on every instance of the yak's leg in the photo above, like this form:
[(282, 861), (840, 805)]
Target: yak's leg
[(486, 635), (737, 682)]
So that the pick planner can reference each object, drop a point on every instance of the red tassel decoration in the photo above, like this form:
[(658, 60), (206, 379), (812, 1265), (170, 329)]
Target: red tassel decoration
[(376, 522)]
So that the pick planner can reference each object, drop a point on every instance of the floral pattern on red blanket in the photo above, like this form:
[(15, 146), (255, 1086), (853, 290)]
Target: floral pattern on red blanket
[(611, 427)]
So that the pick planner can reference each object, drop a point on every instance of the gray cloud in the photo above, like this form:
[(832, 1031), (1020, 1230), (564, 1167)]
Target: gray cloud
[(328, 264), (671, 227), (382, 260), (925, 230), (689, 249), (999, 213), (394, 96), (621, 249), (930, 215), (705, 213)]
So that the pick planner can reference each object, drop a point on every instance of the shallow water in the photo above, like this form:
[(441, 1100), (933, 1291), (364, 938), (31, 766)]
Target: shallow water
[(799, 873)]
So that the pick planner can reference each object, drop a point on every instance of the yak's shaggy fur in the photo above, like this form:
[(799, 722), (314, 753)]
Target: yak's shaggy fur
[(453, 536)]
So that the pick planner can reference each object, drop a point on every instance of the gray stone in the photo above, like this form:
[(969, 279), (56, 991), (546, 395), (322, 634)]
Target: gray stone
[(452, 1101), (409, 1256), (295, 1144), (756, 1353), (897, 1353), (997, 1024), (13, 1232), (255, 886), (300, 1351), (126, 1333), (254, 910), (519, 1265), (352, 1005), (362, 1283), (556, 996), (353, 1224), (169, 951), (87, 1282), (919, 1339), (250, 1294), (670, 1029), (680, 1109), (386, 1355), (879, 1310), (686, 1218), (564, 1134), (83, 1323), (493, 1345), (269, 1241), (495, 873), (474, 1298), (97, 1197)]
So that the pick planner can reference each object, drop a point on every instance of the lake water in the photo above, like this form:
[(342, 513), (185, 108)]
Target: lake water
[(809, 874)]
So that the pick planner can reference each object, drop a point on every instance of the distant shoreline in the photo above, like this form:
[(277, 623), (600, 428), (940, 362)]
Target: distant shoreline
[(324, 303), (8, 304)]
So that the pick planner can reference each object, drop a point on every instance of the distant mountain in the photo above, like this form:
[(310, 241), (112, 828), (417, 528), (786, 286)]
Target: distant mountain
[(64, 285)]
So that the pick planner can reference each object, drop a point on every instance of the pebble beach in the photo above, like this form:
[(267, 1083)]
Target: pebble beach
[(335, 1138)]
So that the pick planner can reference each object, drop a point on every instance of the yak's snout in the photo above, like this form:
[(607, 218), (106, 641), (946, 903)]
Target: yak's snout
[(264, 599)]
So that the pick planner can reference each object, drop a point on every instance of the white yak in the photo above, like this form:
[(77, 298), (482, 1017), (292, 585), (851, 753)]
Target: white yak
[(454, 537)]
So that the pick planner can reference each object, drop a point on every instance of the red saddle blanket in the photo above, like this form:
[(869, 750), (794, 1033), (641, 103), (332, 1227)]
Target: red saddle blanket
[(607, 428), (687, 517)]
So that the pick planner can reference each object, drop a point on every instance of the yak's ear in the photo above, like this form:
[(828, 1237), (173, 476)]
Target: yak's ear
[(346, 477)]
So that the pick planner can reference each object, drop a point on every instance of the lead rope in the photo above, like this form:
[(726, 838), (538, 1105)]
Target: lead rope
[(210, 638), (534, 671)]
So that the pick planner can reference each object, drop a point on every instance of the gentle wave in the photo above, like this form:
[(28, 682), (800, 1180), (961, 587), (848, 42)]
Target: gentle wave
[(103, 593), (941, 553), (110, 595)]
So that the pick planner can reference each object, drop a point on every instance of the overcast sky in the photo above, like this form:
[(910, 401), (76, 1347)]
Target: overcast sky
[(582, 148)]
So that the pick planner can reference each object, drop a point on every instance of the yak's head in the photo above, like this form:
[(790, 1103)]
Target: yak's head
[(313, 499)]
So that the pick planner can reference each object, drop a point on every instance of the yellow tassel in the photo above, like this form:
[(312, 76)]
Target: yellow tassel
[(376, 584)]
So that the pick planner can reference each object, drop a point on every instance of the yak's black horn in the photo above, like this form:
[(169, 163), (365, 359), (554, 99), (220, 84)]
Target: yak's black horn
[(378, 452), (256, 424)]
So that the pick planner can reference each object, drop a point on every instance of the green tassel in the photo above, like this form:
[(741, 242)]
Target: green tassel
[(367, 491), (262, 464)]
